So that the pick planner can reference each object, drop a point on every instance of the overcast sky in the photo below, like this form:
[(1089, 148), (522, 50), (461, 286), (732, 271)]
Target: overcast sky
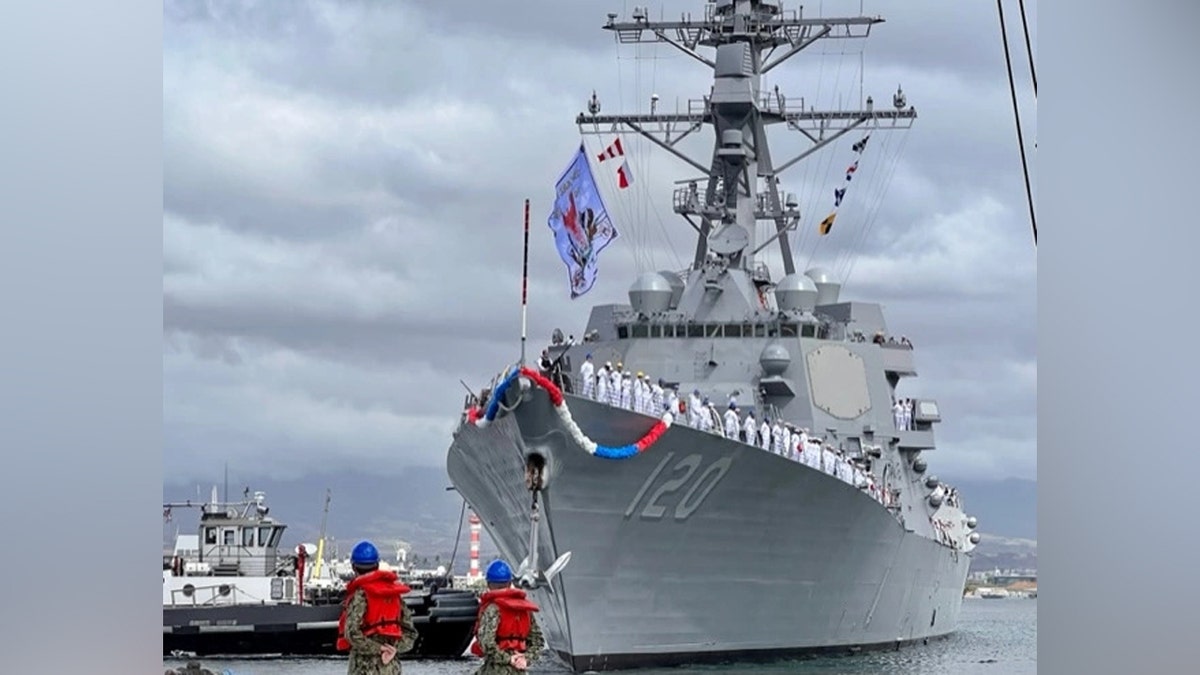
[(342, 196)]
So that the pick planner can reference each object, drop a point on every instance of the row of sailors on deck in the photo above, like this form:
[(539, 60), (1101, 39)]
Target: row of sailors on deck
[(613, 385), (618, 387), (784, 439)]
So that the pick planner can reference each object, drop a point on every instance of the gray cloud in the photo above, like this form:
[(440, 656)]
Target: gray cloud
[(342, 196)]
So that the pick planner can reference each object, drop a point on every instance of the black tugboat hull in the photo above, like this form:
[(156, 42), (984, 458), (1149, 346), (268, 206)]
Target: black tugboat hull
[(444, 623)]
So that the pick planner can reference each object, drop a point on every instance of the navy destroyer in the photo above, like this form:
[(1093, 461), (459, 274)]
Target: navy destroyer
[(680, 532)]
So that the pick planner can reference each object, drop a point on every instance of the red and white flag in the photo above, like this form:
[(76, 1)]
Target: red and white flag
[(614, 149), (624, 175)]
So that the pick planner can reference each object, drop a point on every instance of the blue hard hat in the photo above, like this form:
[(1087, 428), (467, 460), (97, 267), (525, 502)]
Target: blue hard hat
[(364, 553), (499, 572)]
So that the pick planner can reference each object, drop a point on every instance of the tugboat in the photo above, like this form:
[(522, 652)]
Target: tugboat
[(228, 590), (680, 532)]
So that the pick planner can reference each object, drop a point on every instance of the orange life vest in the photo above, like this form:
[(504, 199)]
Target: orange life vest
[(516, 614), (385, 603)]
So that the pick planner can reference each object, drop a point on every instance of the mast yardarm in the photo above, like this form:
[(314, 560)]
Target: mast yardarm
[(741, 178)]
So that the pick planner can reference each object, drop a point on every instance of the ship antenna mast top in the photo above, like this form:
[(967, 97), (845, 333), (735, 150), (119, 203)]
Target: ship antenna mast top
[(745, 35)]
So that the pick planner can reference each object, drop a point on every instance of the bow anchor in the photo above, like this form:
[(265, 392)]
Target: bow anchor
[(529, 577)]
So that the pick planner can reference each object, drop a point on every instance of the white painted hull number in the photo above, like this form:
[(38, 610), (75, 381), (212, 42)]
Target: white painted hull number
[(683, 473)]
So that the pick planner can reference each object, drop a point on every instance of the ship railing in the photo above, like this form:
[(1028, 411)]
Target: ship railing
[(698, 107), (758, 23), (778, 104), (770, 102), (688, 200), (215, 594), (656, 327)]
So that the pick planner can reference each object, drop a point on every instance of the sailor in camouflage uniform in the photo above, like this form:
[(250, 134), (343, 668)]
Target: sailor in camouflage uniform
[(376, 625), (506, 634)]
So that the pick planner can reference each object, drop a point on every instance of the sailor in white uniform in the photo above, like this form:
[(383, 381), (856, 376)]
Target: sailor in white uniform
[(602, 380), (797, 445), (646, 409), (704, 416), (694, 404), (614, 386), (807, 449), (731, 421), (718, 427), (843, 469), (587, 375), (750, 429), (828, 460)]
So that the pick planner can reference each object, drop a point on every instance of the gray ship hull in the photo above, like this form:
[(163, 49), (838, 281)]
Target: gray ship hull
[(701, 548)]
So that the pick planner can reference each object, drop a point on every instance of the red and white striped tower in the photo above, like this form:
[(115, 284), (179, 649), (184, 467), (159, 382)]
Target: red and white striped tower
[(475, 527)]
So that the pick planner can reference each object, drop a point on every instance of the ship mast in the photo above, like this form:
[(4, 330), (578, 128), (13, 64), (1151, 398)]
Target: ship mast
[(746, 35)]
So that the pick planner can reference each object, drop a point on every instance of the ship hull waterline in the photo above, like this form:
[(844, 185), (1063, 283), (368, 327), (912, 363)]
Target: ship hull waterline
[(700, 549)]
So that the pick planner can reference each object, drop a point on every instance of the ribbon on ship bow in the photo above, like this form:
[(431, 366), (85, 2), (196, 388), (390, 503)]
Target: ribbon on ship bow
[(564, 413)]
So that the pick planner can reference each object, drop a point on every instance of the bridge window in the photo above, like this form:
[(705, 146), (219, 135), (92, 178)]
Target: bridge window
[(712, 330), (695, 330), (247, 536), (760, 330), (264, 535), (787, 330), (808, 330), (656, 331), (622, 332), (230, 536), (733, 330), (641, 330), (210, 535)]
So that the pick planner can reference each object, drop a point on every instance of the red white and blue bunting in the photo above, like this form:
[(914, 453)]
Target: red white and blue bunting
[(560, 407)]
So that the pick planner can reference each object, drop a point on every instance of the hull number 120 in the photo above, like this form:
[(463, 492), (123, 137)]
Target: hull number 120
[(685, 473)]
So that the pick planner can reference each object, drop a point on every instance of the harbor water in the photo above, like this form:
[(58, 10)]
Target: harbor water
[(997, 637)]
